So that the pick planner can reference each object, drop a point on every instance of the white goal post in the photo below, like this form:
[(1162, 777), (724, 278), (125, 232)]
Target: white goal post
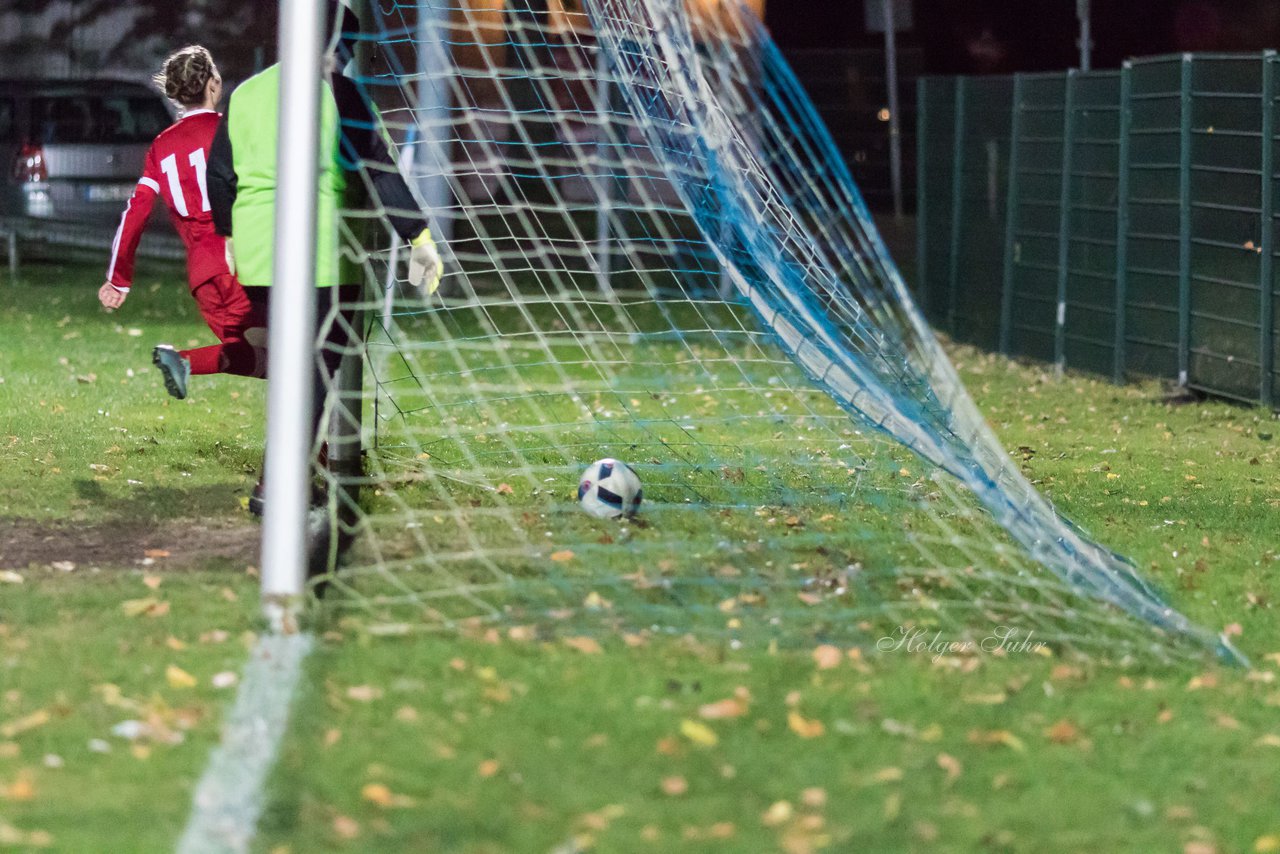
[(293, 324)]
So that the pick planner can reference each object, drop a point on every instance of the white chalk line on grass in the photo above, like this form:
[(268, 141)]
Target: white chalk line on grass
[(229, 797)]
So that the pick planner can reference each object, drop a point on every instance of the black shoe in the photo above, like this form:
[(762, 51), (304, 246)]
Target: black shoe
[(321, 561), (258, 498), (175, 370)]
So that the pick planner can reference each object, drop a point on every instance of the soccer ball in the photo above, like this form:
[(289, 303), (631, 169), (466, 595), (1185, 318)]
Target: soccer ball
[(609, 489)]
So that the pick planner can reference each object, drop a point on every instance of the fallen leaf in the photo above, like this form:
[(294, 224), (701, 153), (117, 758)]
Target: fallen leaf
[(378, 793), (986, 699), (505, 489), (345, 827), (951, 765), (999, 736), (722, 830), (595, 602), (1226, 721), (674, 786), (562, 555), (38, 718), (1063, 732), (363, 693), (21, 789), (154, 553), (827, 657), (600, 820), (699, 733), (804, 727), (585, 645), (1205, 680), (887, 775), (814, 797), (730, 707), (488, 768), (178, 678), (779, 812), (150, 606)]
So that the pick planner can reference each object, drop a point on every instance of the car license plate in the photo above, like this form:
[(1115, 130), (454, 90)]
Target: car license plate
[(108, 192)]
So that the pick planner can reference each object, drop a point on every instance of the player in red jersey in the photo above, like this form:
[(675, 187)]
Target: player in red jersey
[(175, 171)]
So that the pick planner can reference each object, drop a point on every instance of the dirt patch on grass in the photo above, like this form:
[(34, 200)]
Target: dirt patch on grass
[(171, 544)]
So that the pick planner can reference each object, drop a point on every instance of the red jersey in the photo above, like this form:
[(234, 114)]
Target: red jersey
[(174, 170)]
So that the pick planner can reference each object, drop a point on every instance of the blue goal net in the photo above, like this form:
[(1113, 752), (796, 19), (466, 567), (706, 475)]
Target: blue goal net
[(654, 253)]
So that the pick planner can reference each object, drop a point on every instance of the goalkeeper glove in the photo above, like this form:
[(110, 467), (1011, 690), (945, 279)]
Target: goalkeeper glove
[(425, 268)]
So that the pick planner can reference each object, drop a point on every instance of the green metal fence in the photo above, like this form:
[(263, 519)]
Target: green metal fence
[(1121, 222)]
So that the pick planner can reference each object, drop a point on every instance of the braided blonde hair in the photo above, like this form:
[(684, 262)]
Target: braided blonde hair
[(185, 74)]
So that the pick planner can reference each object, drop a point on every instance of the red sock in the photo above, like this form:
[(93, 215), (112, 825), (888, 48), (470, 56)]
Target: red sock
[(236, 356), (205, 360)]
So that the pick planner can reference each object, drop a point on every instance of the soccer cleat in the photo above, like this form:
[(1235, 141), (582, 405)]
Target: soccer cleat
[(174, 368)]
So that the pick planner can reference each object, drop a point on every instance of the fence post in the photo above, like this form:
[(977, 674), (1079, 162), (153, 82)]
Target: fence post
[(1266, 360), (1064, 223), (957, 204), (1184, 226), (1011, 221), (922, 195), (1122, 221)]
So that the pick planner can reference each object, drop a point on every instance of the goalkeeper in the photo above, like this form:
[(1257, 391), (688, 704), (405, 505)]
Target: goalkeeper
[(356, 171)]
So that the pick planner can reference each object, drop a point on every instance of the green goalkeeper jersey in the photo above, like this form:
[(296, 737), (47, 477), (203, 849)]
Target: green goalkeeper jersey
[(243, 180)]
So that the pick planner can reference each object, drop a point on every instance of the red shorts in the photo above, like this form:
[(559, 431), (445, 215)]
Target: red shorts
[(225, 307)]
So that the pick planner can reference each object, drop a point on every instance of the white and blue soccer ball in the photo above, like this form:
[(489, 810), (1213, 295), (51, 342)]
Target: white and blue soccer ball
[(609, 489)]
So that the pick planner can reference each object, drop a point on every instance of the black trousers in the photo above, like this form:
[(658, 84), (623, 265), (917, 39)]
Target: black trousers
[(338, 301)]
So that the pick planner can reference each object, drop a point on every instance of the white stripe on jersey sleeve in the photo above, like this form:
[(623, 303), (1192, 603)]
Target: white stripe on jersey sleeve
[(115, 244), (147, 182)]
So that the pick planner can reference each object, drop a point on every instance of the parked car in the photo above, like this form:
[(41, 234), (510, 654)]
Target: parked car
[(76, 146)]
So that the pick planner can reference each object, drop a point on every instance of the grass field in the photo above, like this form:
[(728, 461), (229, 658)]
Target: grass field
[(127, 595)]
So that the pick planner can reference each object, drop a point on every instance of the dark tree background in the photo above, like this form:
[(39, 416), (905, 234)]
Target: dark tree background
[(241, 34), (1002, 36), (954, 36)]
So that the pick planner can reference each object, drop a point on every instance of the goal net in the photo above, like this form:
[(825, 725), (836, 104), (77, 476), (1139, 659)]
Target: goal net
[(654, 253)]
